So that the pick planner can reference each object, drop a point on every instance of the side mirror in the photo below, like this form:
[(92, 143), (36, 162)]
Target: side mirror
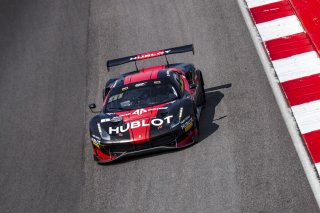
[(192, 86), (92, 107)]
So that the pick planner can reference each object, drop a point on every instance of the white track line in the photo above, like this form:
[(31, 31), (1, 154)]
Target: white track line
[(298, 143), (257, 3), (318, 167), (279, 27), (297, 66), (307, 116)]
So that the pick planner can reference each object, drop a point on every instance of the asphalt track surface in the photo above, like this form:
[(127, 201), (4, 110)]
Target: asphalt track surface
[(52, 64)]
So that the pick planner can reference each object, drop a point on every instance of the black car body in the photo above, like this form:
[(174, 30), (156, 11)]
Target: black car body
[(150, 109)]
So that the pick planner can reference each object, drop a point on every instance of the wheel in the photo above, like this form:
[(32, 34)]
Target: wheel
[(95, 158), (197, 129), (203, 93), (203, 100), (196, 120)]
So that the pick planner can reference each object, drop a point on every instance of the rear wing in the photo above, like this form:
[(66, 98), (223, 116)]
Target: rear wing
[(143, 56)]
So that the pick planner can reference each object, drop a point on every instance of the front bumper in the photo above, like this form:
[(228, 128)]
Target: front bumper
[(114, 152)]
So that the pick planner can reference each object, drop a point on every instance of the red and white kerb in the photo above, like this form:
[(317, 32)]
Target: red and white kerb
[(296, 63)]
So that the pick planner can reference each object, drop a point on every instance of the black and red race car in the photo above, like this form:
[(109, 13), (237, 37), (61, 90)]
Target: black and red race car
[(150, 109)]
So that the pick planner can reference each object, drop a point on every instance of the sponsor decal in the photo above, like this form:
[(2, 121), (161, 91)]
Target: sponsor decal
[(150, 55), (139, 112), (136, 112), (116, 119), (95, 142), (157, 82), (115, 97), (186, 123), (187, 128), (140, 123), (185, 119), (140, 84), (125, 88), (157, 108), (125, 103)]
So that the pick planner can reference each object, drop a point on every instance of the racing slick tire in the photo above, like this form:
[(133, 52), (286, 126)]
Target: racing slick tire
[(203, 93), (204, 101), (196, 139), (95, 158), (197, 127)]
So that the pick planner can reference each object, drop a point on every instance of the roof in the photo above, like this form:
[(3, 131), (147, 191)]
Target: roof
[(150, 73)]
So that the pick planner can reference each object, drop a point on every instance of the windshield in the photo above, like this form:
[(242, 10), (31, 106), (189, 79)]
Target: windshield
[(140, 95)]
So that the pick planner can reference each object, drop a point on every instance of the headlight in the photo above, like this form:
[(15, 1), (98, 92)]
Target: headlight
[(176, 121), (104, 135)]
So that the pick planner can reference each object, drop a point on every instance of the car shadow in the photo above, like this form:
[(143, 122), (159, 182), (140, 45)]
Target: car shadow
[(207, 118), (206, 122)]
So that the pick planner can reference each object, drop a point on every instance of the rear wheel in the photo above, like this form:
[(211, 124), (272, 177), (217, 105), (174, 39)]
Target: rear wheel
[(203, 93)]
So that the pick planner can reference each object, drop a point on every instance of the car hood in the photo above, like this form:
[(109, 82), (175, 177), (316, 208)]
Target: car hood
[(138, 125)]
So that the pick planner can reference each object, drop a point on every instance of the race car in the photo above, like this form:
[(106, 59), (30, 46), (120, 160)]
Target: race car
[(147, 110)]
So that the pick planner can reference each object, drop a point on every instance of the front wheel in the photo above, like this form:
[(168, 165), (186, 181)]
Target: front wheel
[(197, 130), (196, 122), (95, 158)]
